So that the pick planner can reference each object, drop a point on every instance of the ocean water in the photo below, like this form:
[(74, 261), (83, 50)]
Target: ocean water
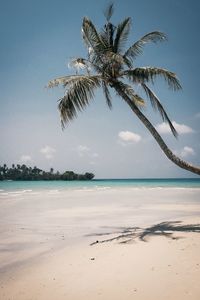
[(28, 186)]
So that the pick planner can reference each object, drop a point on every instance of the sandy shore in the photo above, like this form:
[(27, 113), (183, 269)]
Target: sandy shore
[(50, 256)]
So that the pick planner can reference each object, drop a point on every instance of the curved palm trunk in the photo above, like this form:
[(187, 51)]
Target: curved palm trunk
[(179, 162)]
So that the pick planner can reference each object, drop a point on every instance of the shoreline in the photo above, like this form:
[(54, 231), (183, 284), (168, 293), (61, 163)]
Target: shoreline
[(100, 183)]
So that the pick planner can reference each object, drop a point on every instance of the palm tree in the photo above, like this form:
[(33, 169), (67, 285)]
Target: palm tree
[(109, 66)]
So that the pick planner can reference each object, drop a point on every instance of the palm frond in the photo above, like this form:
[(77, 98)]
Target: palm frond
[(71, 79), (147, 74), (127, 62), (91, 36), (107, 35), (138, 101), (121, 35), (77, 97), (113, 57), (106, 39), (137, 48), (108, 12), (107, 94), (158, 107), (61, 81), (79, 64), (109, 65)]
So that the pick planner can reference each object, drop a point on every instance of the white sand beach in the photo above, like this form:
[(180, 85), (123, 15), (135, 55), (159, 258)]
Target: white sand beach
[(46, 251)]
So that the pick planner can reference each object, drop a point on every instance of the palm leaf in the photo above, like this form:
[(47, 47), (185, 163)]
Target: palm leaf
[(77, 97), (137, 48), (108, 12), (91, 36), (109, 65), (158, 106), (71, 79), (106, 39), (121, 35), (94, 41), (127, 62), (107, 94), (79, 63), (138, 101), (114, 58), (62, 81), (147, 74)]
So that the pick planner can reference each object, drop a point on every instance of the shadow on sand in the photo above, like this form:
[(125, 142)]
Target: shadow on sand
[(166, 229)]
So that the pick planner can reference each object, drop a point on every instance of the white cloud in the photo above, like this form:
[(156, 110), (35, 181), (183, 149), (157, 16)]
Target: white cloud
[(48, 152), (83, 150), (86, 151), (181, 128), (129, 137), (25, 158), (93, 163), (197, 115), (187, 151)]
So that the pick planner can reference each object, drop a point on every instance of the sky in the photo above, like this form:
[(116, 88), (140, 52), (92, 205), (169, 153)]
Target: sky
[(38, 39)]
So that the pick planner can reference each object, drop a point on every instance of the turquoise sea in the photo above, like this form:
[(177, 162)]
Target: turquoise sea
[(6, 186)]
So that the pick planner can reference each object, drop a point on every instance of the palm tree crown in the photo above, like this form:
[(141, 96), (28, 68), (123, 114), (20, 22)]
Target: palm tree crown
[(109, 65)]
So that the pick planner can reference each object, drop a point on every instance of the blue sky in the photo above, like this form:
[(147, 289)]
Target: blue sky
[(38, 39)]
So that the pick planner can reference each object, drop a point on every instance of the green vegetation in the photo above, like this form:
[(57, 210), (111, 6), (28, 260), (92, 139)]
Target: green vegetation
[(22, 172), (110, 66)]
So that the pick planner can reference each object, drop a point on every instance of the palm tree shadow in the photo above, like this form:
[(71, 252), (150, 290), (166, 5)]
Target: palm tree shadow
[(165, 229)]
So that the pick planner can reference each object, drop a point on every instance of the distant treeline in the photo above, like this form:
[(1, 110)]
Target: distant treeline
[(22, 172)]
